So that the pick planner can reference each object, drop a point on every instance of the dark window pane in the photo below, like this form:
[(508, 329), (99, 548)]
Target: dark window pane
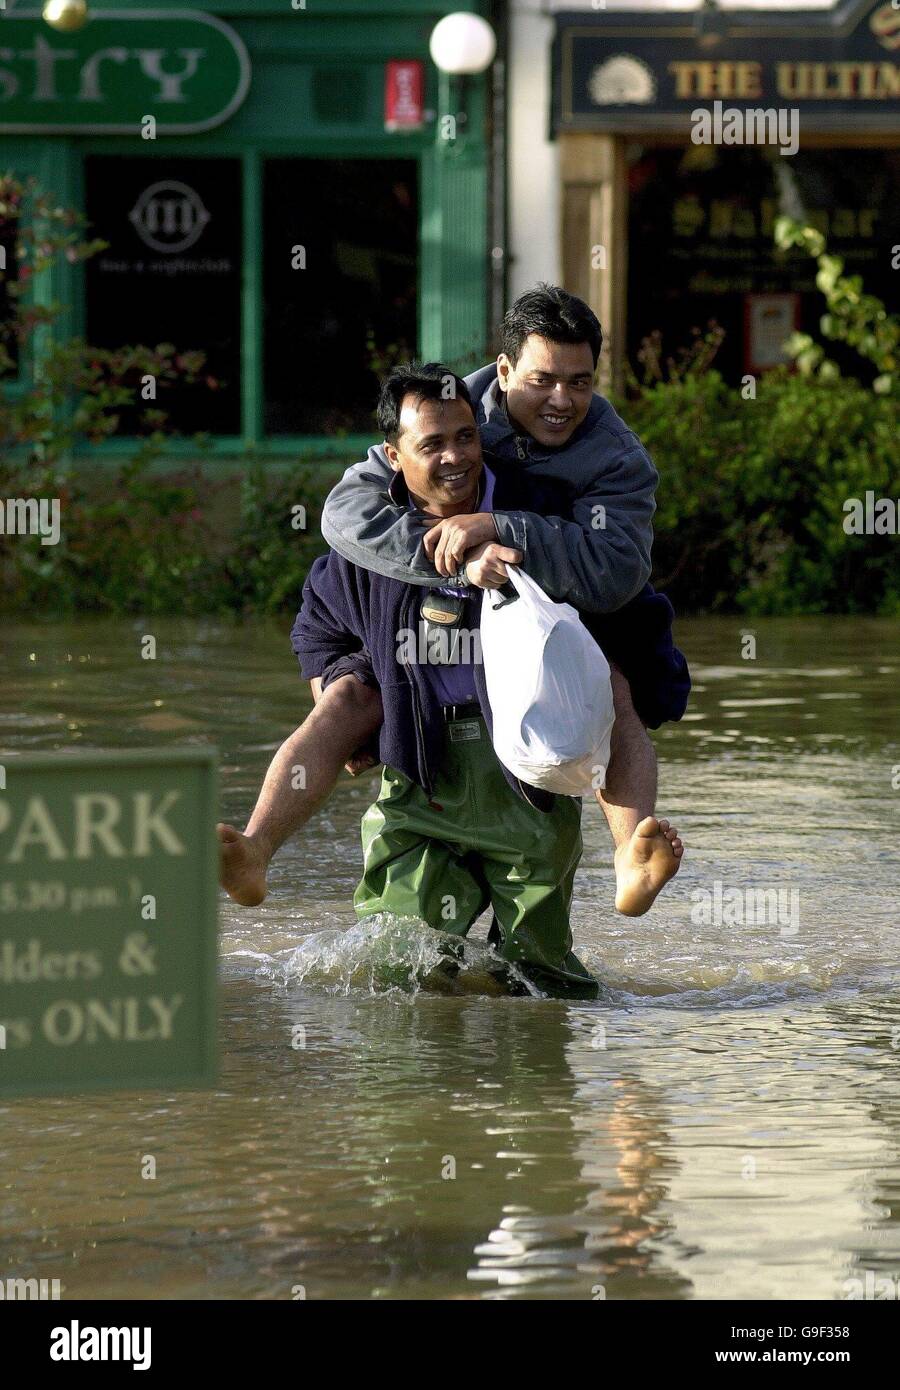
[(171, 273), (701, 242), (355, 223), (9, 270)]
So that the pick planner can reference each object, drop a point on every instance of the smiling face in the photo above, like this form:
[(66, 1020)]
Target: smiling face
[(548, 391), (438, 451)]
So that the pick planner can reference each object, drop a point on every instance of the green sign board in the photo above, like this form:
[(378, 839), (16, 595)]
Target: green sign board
[(108, 940), (187, 71)]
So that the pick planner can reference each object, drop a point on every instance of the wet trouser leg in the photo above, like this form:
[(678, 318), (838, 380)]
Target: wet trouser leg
[(475, 843)]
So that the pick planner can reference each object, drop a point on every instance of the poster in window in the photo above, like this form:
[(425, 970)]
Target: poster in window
[(769, 320)]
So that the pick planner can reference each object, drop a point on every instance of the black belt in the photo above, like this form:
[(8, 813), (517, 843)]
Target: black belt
[(471, 711)]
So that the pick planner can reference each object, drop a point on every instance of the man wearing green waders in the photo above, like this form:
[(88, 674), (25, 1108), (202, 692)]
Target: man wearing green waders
[(452, 832)]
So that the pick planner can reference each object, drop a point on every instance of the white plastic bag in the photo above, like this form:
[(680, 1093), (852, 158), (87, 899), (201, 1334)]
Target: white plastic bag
[(549, 689)]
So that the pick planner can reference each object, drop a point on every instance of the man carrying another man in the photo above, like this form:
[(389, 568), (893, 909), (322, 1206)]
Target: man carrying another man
[(585, 538), (451, 831)]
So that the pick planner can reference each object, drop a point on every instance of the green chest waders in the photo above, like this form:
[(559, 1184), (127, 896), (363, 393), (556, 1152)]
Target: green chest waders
[(476, 844)]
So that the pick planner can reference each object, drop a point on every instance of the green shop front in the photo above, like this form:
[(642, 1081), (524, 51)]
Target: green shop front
[(277, 189)]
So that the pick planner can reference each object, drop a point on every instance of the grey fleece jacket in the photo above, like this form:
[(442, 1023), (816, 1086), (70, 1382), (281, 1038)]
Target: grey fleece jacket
[(597, 557)]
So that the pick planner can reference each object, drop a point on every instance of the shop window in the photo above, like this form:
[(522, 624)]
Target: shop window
[(9, 267), (171, 274), (340, 279), (701, 244)]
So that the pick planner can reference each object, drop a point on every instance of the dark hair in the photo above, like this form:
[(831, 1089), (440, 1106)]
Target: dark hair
[(431, 381), (554, 314)]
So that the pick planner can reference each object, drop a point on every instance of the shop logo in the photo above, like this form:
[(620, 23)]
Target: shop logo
[(169, 216), (885, 25), (622, 81)]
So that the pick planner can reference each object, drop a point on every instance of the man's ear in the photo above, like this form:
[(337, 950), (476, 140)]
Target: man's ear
[(393, 457), (504, 367)]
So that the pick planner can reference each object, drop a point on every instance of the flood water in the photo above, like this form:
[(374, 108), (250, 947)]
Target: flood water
[(725, 1122)]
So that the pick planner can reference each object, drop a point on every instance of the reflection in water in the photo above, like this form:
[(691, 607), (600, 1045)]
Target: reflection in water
[(725, 1122)]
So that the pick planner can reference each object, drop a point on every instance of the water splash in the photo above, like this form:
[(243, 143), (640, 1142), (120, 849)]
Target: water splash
[(694, 983), (385, 954)]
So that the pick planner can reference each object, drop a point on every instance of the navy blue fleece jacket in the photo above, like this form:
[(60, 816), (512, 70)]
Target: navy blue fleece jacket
[(348, 611)]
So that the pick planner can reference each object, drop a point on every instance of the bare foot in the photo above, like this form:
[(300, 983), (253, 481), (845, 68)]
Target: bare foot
[(645, 865), (242, 866)]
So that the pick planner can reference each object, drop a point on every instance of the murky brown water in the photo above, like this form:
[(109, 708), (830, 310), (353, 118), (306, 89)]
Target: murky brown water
[(725, 1124)]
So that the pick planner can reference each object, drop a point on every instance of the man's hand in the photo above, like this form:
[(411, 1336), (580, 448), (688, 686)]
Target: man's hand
[(362, 760), (486, 564), (447, 542)]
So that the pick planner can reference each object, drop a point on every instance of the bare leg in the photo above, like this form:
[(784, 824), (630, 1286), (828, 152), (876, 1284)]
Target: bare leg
[(647, 851), (300, 777)]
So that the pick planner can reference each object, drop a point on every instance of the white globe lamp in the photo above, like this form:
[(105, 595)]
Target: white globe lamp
[(67, 16), (463, 44)]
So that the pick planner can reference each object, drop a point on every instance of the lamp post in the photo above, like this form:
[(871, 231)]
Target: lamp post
[(454, 314), (462, 45)]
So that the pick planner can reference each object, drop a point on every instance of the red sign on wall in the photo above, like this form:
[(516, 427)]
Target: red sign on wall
[(404, 90)]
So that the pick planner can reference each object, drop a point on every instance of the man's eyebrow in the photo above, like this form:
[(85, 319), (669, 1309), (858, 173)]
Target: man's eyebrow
[(561, 376), (431, 438)]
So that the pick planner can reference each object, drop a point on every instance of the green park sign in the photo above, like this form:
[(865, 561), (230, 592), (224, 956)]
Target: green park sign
[(188, 71), (108, 920)]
